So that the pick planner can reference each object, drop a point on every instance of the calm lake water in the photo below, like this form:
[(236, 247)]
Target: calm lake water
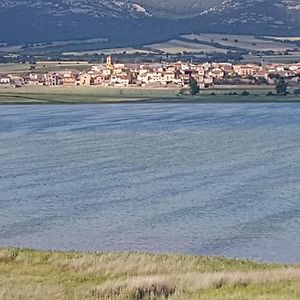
[(217, 179)]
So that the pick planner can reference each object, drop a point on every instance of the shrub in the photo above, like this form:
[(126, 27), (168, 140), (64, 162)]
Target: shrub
[(297, 91), (154, 291), (245, 93), (185, 91), (194, 87), (281, 87)]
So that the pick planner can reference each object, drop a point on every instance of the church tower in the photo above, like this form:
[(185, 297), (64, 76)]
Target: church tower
[(109, 63)]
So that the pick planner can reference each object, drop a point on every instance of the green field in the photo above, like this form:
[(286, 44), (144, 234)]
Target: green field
[(43, 67), (28, 274), (96, 94), (127, 50), (176, 46), (222, 43), (246, 42), (55, 46), (13, 68), (269, 59), (190, 43), (74, 94)]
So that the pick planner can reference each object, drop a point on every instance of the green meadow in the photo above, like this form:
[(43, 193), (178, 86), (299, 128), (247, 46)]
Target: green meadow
[(29, 274), (94, 94), (35, 94)]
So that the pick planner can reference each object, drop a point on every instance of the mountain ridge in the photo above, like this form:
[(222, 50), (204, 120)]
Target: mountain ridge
[(36, 20)]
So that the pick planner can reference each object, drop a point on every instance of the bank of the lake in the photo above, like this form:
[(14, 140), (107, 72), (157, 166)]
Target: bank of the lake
[(80, 94), (95, 94), (29, 274)]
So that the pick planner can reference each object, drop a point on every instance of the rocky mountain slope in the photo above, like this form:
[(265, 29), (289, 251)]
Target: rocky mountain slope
[(26, 20), (100, 8)]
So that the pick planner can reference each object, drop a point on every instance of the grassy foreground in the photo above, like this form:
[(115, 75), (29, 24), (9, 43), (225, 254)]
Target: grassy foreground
[(81, 95), (29, 274)]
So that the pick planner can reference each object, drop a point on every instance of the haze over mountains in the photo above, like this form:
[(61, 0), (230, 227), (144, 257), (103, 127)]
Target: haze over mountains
[(143, 20)]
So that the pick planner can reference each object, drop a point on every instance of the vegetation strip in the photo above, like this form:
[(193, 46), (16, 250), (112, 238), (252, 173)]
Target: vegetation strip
[(82, 96), (30, 274)]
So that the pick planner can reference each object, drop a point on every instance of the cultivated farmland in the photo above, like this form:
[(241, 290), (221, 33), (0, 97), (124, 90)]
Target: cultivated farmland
[(247, 42), (177, 46)]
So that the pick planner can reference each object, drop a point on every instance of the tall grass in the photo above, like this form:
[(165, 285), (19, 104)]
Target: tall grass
[(28, 274)]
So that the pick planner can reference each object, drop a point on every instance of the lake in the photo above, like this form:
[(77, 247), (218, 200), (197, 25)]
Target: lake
[(208, 179)]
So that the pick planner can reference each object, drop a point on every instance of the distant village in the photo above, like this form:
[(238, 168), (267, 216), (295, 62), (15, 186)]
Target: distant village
[(159, 75)]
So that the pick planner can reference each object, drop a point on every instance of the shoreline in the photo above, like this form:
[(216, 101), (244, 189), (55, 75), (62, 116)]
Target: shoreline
[(35, 274), (109, 95)]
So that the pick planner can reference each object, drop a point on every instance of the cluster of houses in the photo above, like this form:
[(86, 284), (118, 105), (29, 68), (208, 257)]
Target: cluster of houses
[(158, 75)]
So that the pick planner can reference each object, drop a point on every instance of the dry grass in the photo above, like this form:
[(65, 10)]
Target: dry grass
[(28, 274), (285, 38), (177, 46)]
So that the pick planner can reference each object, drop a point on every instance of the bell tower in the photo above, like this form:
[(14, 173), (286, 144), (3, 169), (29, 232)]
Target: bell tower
[(109, 63)]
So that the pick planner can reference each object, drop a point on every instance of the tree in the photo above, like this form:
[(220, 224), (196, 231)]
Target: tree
[(245, 93), (281, 87), (194, 87)]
